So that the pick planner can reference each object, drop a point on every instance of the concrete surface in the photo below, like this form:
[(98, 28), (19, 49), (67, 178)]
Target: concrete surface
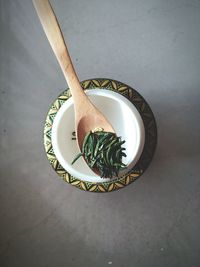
[(152, 45)]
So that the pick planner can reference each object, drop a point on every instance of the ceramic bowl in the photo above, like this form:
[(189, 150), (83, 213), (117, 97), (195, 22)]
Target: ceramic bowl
[(124, 118), (132, 119)]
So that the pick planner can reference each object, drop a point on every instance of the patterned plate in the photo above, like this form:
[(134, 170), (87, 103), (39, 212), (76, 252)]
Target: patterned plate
[(150, 136)]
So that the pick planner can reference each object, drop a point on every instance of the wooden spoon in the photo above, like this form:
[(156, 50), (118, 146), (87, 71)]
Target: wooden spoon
[(87, 116)]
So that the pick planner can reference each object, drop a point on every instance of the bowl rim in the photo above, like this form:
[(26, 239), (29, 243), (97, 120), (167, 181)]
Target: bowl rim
[(150, 136), (137, 121)]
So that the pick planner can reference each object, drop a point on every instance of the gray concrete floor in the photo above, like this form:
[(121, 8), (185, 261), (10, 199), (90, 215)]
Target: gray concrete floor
[(152, 45)]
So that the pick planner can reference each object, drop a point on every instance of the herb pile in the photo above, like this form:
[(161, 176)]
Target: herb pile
[(103, 152)]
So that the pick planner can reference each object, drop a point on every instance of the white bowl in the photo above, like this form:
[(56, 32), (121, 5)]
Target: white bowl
[(124, 118)]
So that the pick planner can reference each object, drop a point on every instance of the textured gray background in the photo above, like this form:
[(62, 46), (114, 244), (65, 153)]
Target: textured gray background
[(152, 45)]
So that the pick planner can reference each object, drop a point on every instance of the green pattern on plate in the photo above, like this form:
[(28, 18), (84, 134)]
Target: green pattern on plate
[(150, 136)]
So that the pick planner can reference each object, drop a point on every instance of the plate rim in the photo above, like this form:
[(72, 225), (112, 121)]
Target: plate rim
[(150, 136)]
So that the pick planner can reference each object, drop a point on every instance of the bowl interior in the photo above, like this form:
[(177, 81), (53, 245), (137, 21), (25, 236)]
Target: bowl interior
[(124, 118)]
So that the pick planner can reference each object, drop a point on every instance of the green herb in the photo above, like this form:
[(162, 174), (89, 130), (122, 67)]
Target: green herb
[(77, 157), (103, 152)]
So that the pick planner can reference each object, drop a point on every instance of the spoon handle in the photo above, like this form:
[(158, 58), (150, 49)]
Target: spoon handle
[(54, 35)]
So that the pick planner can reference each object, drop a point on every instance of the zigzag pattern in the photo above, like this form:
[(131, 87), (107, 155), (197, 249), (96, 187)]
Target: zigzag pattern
[(150, 136)]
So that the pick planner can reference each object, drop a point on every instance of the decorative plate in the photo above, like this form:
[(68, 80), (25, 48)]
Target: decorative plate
[(148, 147)]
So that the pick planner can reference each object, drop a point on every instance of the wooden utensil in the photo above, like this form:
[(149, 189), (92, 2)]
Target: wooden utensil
[(87, 116)]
